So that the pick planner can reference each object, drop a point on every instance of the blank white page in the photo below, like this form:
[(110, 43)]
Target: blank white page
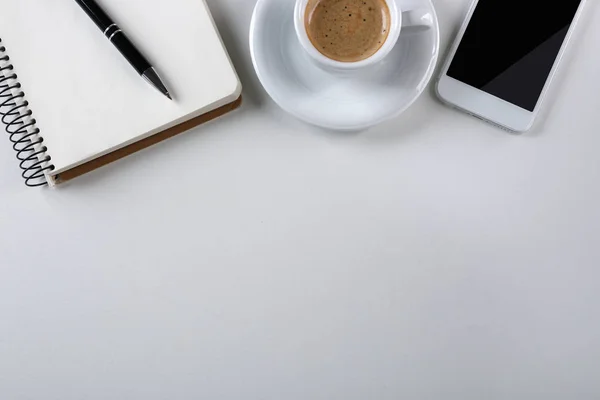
[(86, 98)]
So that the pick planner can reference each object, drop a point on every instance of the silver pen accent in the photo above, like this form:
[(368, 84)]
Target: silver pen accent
[(110, 26), (151, 76), (113, 34)]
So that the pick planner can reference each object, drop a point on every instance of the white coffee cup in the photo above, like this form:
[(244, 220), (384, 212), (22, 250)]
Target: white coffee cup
[(401, 20)]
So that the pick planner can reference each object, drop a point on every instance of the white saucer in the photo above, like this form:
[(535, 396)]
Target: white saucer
[(354, 102)]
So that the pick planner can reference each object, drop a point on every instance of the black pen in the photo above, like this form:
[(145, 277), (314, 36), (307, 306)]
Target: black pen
[(122, 43)]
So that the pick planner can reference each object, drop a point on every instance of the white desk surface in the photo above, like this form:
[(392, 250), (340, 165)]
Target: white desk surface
[(433, 257)]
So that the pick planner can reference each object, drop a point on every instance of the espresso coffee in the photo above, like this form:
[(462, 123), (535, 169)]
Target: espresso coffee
[(347, 30)]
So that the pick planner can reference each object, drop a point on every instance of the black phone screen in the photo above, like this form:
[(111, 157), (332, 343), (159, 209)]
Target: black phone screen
[(510, 46)]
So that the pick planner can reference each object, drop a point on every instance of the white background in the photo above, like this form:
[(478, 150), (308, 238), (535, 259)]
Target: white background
[(433, 257)]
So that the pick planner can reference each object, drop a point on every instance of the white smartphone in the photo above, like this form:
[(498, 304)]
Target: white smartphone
[(504, 58)]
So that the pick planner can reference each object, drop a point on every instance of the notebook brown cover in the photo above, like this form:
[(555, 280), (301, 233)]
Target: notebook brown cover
[(144, 143)]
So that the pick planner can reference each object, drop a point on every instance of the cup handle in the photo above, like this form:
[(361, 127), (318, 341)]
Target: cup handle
[(416, 20)]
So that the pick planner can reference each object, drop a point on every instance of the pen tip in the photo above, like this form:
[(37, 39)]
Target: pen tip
[(168, 96)]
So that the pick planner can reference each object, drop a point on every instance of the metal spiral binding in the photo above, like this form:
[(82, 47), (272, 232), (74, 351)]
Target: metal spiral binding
[(20, 126)]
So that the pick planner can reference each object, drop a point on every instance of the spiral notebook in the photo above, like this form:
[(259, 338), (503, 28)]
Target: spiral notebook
[(71, 103)]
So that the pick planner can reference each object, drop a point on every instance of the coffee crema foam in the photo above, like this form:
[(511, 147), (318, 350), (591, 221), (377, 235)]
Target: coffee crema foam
[(347, 30)]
